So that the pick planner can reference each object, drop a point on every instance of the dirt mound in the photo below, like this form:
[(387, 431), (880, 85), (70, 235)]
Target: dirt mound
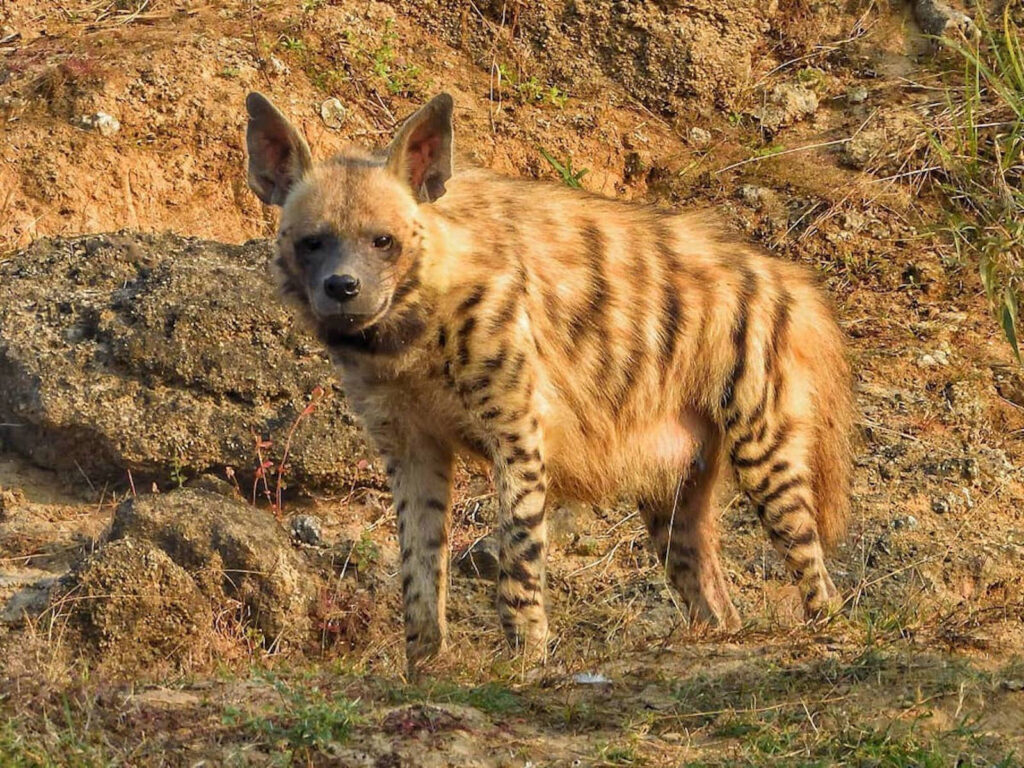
[(134, 606), (659, 56), (233, 551), (161, 355)]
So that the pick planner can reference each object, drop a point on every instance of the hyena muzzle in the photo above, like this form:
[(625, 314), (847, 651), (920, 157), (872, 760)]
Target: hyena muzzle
[(582, 346)]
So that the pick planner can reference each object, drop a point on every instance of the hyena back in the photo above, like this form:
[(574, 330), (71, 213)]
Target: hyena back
[(585, 347)]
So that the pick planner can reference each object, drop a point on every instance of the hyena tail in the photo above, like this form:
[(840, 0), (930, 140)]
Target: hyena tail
[(831, 457)]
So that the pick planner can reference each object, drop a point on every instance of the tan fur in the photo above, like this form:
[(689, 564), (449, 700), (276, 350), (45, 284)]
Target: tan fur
[(586, 347)]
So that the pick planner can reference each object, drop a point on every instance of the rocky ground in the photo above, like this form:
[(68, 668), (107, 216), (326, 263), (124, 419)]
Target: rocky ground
[(151, 613)]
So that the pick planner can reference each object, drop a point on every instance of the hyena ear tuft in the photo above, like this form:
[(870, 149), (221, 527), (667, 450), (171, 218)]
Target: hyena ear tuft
[(278, 155), (421, 153)]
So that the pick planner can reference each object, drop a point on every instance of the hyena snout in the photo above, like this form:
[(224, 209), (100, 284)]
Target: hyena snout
[(341, 288)]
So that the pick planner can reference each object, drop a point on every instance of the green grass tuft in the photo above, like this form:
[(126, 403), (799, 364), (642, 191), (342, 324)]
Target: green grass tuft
[(978, 150)]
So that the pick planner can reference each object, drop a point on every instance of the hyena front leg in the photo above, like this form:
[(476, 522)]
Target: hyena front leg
[(420, 476), (684, 533), (521, 481)]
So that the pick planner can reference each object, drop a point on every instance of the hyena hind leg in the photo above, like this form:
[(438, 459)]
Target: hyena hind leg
[(683, 528), (772, 467)]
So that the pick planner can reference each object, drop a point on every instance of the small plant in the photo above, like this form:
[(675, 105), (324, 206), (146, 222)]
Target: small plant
[(769, 150), (492, 698), (812, 77), (397, 79), (178, 476), (528, 90), (294, 44), (570, 176), (305, 720), (230, 73), (365, 551), (265, 467)]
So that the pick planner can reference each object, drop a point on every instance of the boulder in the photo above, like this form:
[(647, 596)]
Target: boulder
[(233, 551), (134, 607), (164, 356)]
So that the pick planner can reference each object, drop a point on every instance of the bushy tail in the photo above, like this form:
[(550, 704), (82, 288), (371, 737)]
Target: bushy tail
[(832, 460)]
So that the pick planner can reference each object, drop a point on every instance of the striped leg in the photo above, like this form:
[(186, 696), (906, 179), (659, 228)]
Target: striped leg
[(421, 484), (522, 486), (684, 534), (771, 460)]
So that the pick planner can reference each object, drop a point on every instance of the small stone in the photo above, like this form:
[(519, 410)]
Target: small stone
[(28, 602), (787, 104), (927, 361), (307, 529), (333, 113), (480, 560), (698, 137), (940, 506), (1013, 685), (969, 469), (106, 124), (756, 197), (908, 521), (277, 66), (590, 678), (861, 150), (854, 221), (937, 18), (886, 471), (857, 95), (213, 484)]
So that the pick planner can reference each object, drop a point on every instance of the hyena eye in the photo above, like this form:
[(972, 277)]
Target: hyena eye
[(383, 241), (309, 245), (306, 249)]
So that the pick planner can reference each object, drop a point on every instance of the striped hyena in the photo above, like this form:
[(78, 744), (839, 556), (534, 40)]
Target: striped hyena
[(582, 346)]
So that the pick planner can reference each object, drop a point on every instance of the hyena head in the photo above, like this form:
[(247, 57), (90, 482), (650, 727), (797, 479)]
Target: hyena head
[(349, 237)]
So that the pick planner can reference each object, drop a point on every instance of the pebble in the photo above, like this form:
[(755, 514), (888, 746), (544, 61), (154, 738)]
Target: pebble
[(939, 357), (854, 221), (590, 678), (333, 113), (787, 104), (907, 521), (857, 95), (755, 196), (940, 506), (698, 137), (102, 122), (277, 66), (480, 560), (308, 529)]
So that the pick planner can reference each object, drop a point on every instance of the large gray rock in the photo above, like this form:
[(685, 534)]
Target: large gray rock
[(232, 550), (161, 355)]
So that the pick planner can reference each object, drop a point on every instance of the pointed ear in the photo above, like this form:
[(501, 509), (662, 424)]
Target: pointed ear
[(421, 153), (278, 155)]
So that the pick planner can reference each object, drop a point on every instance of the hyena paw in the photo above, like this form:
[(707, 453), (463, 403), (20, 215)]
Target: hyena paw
[(528, 639), (821, 599), (723, 617), (422, 647)]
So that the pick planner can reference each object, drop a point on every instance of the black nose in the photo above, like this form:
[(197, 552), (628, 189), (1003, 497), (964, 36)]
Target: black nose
[(341, 287)]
